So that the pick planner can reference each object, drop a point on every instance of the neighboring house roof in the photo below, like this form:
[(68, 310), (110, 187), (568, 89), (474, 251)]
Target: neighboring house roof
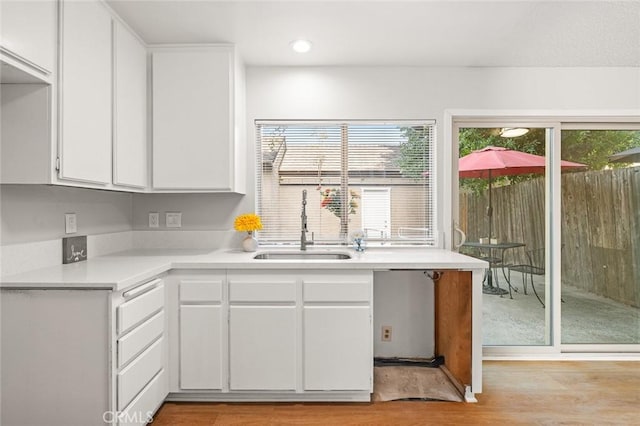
[(312, 159)]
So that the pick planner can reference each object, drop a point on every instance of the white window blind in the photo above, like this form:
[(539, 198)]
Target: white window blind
[(390, 164)]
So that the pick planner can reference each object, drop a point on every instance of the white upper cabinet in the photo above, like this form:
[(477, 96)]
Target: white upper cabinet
[(197, 103), (85, 92), (28, 30), (130, 109)]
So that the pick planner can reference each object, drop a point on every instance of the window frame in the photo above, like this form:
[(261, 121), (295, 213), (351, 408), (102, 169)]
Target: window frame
[(433, 241), (559, 120)]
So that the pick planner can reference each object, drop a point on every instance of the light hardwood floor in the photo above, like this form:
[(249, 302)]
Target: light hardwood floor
[(515, 393)]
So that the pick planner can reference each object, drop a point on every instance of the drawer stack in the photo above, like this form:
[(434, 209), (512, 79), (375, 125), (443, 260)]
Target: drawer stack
[(140, 353)]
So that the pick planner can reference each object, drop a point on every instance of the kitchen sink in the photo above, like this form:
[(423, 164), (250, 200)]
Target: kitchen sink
[(301, 255)]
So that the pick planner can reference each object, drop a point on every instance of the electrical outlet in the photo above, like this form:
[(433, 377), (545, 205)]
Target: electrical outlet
[(70, 223), (386, 333), (154, 219), (174, 220)]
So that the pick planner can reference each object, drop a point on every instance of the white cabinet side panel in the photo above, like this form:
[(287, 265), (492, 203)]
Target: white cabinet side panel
[(55, 357), (25, 133)]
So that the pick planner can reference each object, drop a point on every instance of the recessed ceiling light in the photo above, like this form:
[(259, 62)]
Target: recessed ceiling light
[(513, 132), (301, 46)]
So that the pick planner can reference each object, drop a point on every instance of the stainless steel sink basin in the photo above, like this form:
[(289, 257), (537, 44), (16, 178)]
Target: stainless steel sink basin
[(301, 255)]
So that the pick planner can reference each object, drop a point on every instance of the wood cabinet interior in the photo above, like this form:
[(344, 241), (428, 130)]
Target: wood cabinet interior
[(453, 309)]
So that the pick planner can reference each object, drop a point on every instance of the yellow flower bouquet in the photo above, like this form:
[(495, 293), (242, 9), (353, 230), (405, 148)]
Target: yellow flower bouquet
[(248, 223)]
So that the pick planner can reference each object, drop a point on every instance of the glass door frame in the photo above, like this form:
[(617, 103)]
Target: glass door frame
[(554, 121)]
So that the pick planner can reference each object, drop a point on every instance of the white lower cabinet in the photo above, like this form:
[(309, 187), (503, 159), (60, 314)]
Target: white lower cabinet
[(141, 409), (262, 343), (337, 348), (338, 341), (262, 331), (133, 378), (258, 335), (200, 349), (140, 373), (201, 318), (64, 361)]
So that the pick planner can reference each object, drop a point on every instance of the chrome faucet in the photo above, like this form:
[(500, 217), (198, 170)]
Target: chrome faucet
[(303, 225)]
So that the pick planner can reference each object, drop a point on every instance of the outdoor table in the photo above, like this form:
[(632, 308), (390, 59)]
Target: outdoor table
[(495, 257)]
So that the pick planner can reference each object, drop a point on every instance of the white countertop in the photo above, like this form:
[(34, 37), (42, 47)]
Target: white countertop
[(120, 270)]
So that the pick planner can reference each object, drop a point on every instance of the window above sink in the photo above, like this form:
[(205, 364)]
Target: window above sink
[(375, 177)]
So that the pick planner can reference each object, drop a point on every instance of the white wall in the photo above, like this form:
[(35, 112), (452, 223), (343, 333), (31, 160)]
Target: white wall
[(35, 213), (32, 213), (417, 93), (207, 220), (199, 211), (404, 301), (394, 93)]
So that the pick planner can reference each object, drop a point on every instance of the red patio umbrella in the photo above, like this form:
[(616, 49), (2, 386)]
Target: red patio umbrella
[(495, 161)]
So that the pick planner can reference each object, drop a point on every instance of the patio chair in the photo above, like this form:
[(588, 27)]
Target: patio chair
[(535, 266), (494, 264)]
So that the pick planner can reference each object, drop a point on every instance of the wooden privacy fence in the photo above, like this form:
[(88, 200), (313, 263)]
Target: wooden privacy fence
[(600, 227)]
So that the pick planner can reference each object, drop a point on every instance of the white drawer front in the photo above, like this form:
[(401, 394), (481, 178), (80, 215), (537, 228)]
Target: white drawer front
[(317, 291), (136, 310), (136, 375), (142, 408), (140, 337), (201, 291), (245, 291)]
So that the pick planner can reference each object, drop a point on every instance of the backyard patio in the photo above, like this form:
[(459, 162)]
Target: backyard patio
[(599, 262), (586, 317)]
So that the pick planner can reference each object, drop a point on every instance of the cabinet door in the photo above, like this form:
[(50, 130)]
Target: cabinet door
[(337, 348), (28, 32), (85, 92), (192, 119), (130, 109), (200, 347), (262, 343)]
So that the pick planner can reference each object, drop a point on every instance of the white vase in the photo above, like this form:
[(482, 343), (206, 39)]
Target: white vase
[(250, 243)]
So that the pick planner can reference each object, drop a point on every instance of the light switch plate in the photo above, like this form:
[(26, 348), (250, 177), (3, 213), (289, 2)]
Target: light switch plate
[(174, 220), (154, 219), (70, 223)]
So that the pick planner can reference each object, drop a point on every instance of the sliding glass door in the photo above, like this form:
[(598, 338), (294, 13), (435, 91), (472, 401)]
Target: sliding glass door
[(601, 237), (562, 237), (503, 208)]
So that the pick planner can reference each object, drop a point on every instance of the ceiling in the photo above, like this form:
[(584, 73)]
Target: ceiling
[(445, 33)]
